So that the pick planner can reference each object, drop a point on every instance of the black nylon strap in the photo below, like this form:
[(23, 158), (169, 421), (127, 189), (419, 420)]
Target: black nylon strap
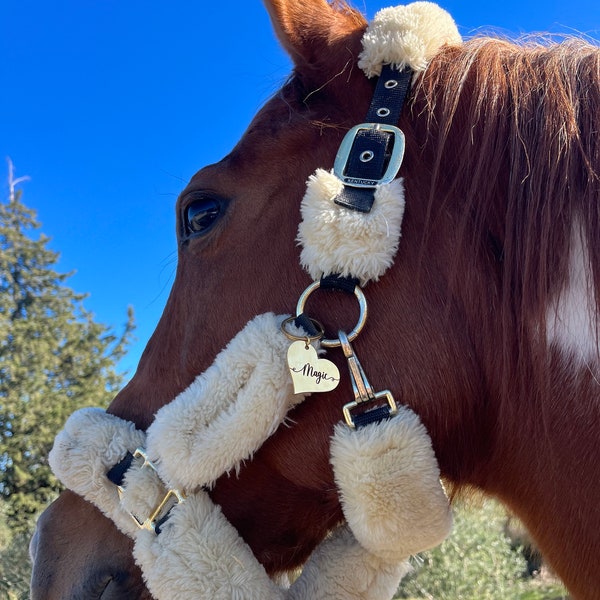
[(305, 323), (117, 473), (161, 522), (372, 416), (339, 283), (388, 99)]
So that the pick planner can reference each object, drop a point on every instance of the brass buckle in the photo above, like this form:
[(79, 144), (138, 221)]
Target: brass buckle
[(171, 498), (341, 159)]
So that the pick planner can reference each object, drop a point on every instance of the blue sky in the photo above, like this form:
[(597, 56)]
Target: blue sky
[(110, 106)]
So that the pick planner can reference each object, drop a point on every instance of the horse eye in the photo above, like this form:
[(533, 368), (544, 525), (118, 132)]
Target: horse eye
[(200, 215)]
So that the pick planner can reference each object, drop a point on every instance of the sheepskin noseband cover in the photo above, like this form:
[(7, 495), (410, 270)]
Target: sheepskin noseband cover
[(224, 416), (338, 240)]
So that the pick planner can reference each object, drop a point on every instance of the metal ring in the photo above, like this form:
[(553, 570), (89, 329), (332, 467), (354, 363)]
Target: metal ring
[(367, 156), (307, 338), (383, 112), (390, 84), (362, 317)]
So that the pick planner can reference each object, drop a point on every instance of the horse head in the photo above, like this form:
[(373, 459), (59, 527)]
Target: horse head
[(446, 322)]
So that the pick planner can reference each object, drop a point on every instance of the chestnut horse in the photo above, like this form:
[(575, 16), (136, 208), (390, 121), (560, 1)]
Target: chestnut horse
[(486, 325)]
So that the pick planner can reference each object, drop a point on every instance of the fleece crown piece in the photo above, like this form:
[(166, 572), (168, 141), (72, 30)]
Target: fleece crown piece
[(406, 36)]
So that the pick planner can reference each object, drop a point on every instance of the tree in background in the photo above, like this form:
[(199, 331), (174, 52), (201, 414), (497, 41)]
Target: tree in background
[(54, 359)]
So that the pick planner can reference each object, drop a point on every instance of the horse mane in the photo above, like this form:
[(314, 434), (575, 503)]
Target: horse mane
[(510, 130)]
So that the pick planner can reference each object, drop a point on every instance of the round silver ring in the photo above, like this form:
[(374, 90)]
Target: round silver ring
[(366, 156), (383, 112), (362, 317), (390, 84)]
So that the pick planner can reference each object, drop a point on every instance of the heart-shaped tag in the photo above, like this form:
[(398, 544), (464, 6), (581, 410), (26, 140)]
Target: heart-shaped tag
[(309, 372)]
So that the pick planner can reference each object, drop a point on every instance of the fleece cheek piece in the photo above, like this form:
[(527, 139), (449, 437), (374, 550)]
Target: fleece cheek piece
[(337, 240), (229, 411), (224, 416), (390, 489)]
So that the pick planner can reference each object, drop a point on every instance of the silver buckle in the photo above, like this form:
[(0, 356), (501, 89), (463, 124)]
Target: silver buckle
[(171, 498), (341, 159)]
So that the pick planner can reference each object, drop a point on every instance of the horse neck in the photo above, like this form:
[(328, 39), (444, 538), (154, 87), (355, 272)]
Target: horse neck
[(511, 173), (505, 135)]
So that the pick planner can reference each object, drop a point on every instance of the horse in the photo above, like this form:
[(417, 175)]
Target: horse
[(486, 325)]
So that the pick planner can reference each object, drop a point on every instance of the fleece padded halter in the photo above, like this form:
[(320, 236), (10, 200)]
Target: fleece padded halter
[(355, 234), (386, 472)]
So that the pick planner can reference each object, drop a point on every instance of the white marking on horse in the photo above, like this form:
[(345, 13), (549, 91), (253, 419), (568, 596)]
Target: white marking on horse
[(571, 317)]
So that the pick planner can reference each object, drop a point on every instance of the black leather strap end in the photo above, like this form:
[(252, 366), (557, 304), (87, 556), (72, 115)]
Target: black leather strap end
[(358, 199)]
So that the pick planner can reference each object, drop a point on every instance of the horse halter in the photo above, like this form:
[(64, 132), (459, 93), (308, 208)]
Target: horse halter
[(362, 193), (369, 156)]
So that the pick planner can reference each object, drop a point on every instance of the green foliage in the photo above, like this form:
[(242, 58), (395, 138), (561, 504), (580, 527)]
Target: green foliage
[(54, 358), (14, 561), (477, 562)]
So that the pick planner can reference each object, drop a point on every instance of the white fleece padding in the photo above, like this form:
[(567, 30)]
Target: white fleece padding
[(386, 472), (200, 555), (143, 491), (228, 412), (408, 35), (90, 444), (341, 569), (336, 239), (389, 484)]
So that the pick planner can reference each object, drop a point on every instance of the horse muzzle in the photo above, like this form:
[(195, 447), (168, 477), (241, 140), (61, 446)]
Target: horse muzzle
[(78, 553)]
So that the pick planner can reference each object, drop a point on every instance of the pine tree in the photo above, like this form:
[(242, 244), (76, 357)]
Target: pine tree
[(54, 358)]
